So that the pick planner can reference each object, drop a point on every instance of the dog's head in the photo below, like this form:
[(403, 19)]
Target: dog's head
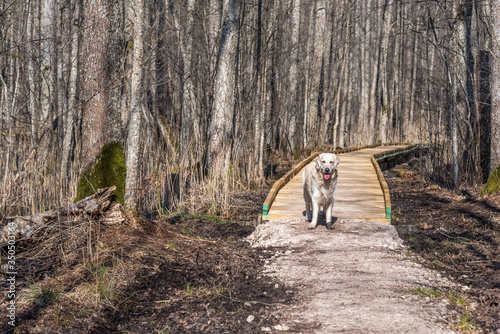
[(326, 164)]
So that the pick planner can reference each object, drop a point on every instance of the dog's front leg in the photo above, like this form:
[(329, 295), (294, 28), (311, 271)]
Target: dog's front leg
[(308, 211), (329, 223), (314, 221)]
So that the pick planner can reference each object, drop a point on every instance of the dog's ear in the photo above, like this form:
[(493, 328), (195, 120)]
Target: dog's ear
[(318, 162), (338, 161)]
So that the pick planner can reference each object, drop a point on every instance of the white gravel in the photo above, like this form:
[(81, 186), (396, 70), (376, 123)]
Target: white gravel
[(353, 279)]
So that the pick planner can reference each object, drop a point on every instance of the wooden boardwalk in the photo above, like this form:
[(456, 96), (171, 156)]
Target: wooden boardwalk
[(359, 192)]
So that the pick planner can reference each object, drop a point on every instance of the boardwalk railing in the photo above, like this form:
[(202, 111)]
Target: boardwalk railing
[(388, 158), (391, 157)]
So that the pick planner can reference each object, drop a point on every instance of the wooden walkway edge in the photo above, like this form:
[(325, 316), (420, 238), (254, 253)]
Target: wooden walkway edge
[(362, 190)]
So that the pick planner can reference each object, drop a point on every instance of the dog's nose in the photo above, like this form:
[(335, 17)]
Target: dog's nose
[(327, 170)]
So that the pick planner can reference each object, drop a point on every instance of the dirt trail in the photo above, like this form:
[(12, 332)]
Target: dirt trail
[(353, 279)]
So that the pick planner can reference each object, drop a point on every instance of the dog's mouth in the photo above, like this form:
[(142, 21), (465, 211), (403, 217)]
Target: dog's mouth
[(327, 176)]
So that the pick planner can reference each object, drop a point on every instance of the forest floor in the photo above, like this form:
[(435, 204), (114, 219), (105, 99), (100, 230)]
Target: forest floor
[(200, 274), (184, 274), (456, 234)]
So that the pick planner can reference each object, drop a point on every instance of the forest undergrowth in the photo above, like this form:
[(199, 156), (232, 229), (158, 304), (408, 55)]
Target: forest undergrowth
[(176, 272), (457, 233)]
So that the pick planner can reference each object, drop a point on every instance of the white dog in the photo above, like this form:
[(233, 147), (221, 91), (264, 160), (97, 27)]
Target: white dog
[(320, 185)]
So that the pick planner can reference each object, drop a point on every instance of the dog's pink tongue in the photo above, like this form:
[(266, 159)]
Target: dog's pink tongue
[(326, 176)]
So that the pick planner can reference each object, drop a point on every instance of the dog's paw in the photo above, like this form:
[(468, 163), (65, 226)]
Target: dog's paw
[(329, 225), (311, 227)]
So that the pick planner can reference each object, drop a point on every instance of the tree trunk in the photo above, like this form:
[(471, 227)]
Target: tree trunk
[(308, 73), (99, 122), (315, 94), (413, 83), (454, 118), (136, 105), (337, 101), (346, 82), (364, 77), (384, 54), (406, 65), (223, 104), (292, 142), (259, 90), (74, 88), (375, 68), (495, 88), (431, 56), (189, 128)]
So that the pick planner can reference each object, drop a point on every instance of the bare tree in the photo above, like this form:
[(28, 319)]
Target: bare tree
[(223, 104), (495, 89), (136, 105), (384, 63)]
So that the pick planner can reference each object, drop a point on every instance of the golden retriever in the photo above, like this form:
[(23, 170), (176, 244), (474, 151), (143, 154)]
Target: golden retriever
[(320, 185)]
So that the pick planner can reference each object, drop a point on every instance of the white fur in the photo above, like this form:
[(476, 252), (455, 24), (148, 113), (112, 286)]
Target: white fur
[(318, 192)]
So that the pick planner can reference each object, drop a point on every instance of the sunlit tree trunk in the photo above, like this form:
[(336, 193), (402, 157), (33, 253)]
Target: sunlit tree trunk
[(294, 78), (223, 104), (431, 55), (45, 61), (319, 47), (33, 49), (384, 60), (259, 78), (376, 64), (99, 123), (495, 87), (345, 109), (136, 105), (307, 72), (364, 77), (189, 126), (454, 111), (337, 103), (413, 91)]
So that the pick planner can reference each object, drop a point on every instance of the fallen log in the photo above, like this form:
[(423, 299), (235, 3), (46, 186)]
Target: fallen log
[(99, 205)]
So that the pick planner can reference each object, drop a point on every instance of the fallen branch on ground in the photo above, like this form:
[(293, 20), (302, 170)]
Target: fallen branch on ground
[(100, 204)]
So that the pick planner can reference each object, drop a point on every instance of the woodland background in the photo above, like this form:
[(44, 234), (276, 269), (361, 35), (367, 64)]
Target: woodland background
[(202, 94)]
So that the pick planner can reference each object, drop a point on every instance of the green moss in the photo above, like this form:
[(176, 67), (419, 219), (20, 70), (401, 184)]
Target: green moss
[(493, 184), (109, 170), (402, 172)]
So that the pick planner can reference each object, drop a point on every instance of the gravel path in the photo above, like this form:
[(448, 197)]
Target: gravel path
[(353, 279)]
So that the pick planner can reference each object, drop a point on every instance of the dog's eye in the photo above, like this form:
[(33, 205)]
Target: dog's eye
[(323, 161)]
